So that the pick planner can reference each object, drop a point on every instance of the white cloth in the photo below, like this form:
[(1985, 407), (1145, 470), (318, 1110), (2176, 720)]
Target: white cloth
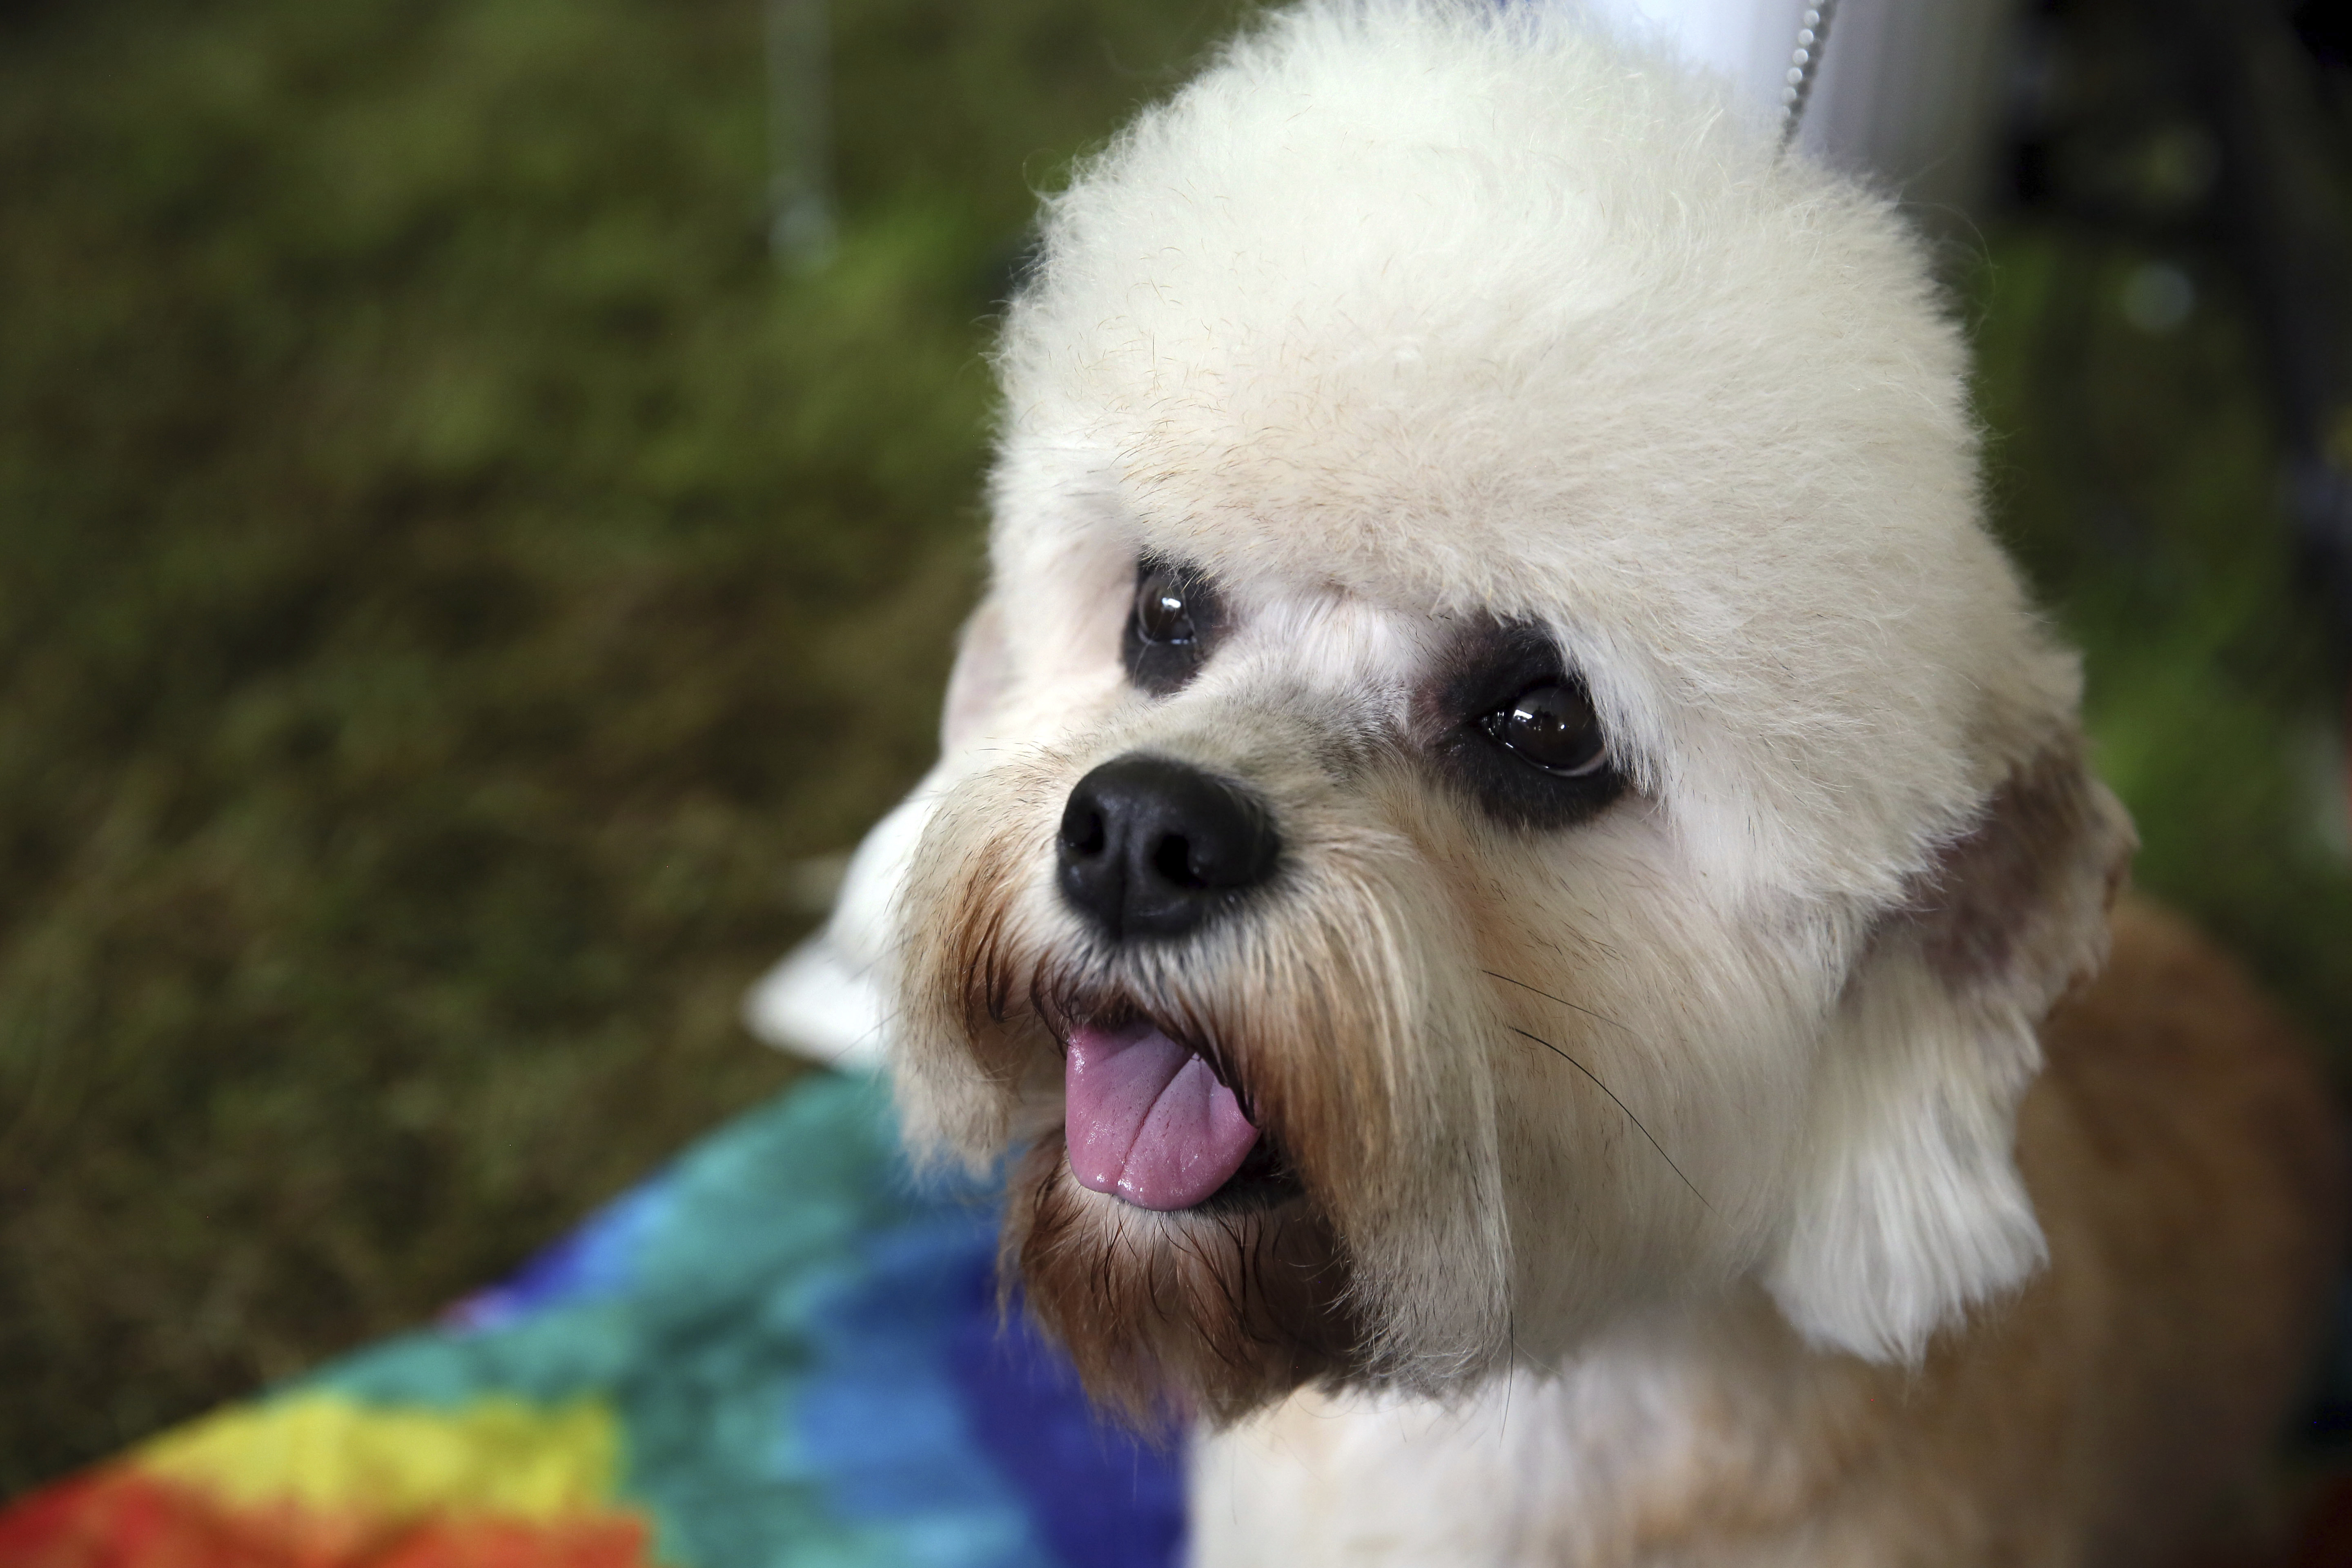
[(1906, 93)]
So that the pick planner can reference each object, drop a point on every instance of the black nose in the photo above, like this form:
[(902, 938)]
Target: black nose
[(1152, 848)]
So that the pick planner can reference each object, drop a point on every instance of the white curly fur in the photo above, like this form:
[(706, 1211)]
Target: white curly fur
[(1404, 310), (1406, 314)]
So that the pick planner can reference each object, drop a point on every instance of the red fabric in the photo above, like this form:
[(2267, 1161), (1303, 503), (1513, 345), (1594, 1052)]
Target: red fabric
[(118, 1518)]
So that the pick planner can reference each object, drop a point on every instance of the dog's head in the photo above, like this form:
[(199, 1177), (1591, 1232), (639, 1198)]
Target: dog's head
[(1501, 783)]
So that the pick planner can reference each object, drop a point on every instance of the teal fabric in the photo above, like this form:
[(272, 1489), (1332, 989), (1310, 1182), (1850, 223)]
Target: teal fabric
[(804, 1347)]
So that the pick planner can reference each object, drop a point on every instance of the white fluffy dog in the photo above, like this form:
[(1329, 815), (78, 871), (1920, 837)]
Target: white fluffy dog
[(1508, 847)]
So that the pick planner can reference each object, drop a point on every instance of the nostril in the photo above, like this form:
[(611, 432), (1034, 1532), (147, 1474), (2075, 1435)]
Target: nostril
[(1172, 859), (1081, 830)]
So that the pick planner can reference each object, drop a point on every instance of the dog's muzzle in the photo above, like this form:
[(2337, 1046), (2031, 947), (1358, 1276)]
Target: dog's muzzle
[(1153, 847)]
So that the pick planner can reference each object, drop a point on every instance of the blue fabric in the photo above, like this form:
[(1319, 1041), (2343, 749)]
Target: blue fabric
[(804, 1349)]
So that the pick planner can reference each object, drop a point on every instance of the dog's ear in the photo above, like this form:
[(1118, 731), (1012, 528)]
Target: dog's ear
[(861, 927), (1909, 1206), (978, 683), (823, 1001)]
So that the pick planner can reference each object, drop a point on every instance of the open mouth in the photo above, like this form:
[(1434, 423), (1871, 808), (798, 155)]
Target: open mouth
[(1148, 1119)]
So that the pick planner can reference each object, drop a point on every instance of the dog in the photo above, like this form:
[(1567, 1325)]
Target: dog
[(1516, 875)]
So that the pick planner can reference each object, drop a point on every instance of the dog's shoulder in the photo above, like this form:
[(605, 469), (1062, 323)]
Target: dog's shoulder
[(2186, 1162), (2175, 1074)]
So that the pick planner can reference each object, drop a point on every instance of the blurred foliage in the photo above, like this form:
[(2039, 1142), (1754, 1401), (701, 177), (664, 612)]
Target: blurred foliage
[(448, 570), (2135, 472)]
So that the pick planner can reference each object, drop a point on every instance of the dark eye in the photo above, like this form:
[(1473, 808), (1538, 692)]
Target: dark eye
[(1171, 627), (1552, 727), (1162, 613), (1510, 723)]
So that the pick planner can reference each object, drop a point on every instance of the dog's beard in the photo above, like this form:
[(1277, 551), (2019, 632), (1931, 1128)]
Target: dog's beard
[(1215, 1311), (1364, 1245)]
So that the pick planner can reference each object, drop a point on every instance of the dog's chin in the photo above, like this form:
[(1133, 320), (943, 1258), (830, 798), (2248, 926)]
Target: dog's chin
[(1212, 1278), (1211, 1310)]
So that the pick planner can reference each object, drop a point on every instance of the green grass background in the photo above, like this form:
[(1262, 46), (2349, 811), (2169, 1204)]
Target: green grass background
[(449, 571)]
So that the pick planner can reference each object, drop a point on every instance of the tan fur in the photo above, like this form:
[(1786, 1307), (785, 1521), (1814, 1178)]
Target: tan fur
[(1169, 1316), (994, 973), (1697, 1176), (2186, 1169)]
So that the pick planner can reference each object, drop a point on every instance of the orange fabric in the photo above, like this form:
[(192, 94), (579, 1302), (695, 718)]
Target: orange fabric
[(118, 1518)]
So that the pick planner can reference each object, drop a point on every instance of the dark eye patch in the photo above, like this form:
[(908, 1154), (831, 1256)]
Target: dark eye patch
[(1510, 724), (1171, 627)]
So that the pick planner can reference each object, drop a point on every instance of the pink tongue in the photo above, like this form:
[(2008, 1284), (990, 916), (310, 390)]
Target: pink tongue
[(1146, 1119)]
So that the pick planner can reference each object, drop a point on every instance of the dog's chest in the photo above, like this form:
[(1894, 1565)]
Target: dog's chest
[(1630, 1459)]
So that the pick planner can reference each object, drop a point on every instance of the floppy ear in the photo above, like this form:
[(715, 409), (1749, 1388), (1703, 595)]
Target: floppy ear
[(823, 1001), (978, 683), (1909, 1206)]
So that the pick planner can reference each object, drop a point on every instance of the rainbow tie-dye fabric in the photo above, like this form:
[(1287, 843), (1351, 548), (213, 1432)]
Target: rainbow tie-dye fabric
[(779, 1353)]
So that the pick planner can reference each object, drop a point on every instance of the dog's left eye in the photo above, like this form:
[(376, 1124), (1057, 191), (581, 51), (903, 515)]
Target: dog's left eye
[(1175, 619), (1550, 726), (1511, 723)]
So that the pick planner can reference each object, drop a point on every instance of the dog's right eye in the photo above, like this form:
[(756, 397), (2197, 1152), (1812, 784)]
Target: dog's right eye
[(1175, 619), (1163, 610)]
